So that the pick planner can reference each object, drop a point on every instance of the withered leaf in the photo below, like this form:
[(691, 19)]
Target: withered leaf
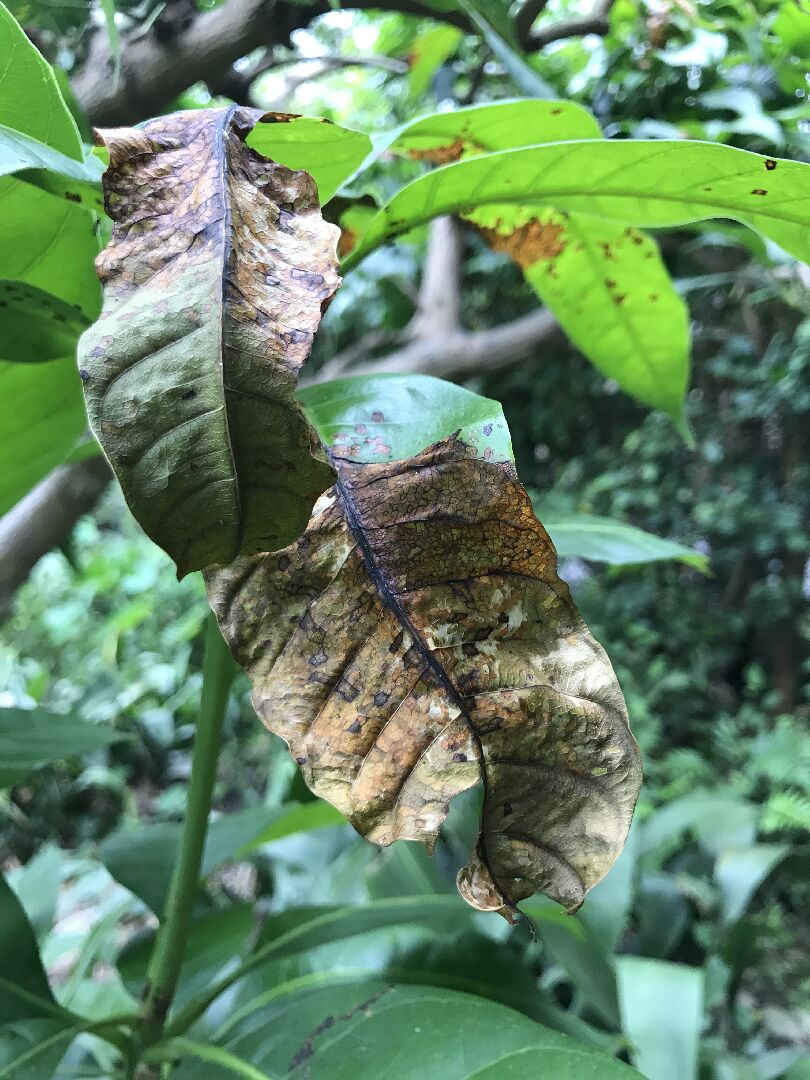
[(215, 280), (416, 639)]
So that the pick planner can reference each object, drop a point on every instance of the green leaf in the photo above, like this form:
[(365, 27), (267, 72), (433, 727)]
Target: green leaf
[(662, 1014), (37, 886), (631, 182), (42, 418), (142, 857), (328, 152), (36, 326), (495, 25), (114, 38), (427, 54), (740, 871), (30, 99), (363, 1030), (588, 536), (24, 988), (577, 949), (393, 417), (30, 738), (35, 163), (610, 291), (501, 125)]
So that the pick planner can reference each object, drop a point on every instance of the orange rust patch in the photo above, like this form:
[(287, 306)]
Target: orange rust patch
[(439, 155), (347, 242), (537, 241)]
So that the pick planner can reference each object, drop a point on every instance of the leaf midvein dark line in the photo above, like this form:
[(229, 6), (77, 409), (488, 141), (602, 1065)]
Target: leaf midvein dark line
[(394, 605)]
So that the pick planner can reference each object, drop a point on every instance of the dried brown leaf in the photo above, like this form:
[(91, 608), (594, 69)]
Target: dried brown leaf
[(218, 272), (418, 639)]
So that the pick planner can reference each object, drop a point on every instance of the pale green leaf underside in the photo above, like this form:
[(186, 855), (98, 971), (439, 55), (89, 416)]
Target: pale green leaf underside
[(35, 325), (375, 418), (42, 418), (648, 183), (599, 539), (32, 161), (30, 99), (499, 125)]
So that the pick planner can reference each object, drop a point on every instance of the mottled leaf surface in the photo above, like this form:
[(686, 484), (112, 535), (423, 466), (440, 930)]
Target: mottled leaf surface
[(388, 417), (416, 640), (215, 280)]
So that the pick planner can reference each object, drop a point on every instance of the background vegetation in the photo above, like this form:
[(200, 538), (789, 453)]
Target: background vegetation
[(691, 956)]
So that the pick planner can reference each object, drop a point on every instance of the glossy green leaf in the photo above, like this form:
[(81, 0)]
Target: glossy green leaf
[(662, 1013), (740, 871), (328, 152), (631, 182), (36, 326), (35, 163), (392, 417), (493, 21), (577, 949), (142, 857), (599, 539), (364, 1030), (30, 99), (30, 738), (24, 988), (42, 418)]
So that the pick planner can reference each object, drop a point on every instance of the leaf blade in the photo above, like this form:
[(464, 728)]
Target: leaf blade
[(190, 373)]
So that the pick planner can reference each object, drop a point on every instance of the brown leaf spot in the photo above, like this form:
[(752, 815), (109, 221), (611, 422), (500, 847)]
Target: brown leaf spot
[(439, 155), (377, 417), (537, 241), (759, 191), (770, 164), (318, 658), (354, 727), (73, 197)]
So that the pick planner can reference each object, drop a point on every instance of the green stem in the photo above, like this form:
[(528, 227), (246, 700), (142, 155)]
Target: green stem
[(170, 946)]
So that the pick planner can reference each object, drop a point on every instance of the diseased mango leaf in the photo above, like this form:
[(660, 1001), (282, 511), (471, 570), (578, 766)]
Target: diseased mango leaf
[(632, 182), (610, 291), (606, 284), (35, 325), (416, 640), (500, 125), (388, 417), (218, 272)]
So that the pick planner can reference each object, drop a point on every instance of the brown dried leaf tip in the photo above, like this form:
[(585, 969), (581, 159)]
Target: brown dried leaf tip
[(215, 280), (417, 639)]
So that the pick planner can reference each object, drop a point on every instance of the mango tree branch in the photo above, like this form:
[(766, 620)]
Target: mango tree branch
[(155, 70), (596, 21)]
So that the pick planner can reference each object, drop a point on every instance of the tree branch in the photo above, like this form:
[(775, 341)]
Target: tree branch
[(596, 22), (154, 71), (44, 519)]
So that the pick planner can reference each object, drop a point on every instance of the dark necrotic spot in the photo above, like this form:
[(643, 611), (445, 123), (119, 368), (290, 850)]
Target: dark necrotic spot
[(459, 757), (487, 429), (284, 563), (380, 698), (301, 760), (759, 191), (189, 394), (770, 164), (507, 809), (73, 197), (318, 659), (354, 727), (84, 374)]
